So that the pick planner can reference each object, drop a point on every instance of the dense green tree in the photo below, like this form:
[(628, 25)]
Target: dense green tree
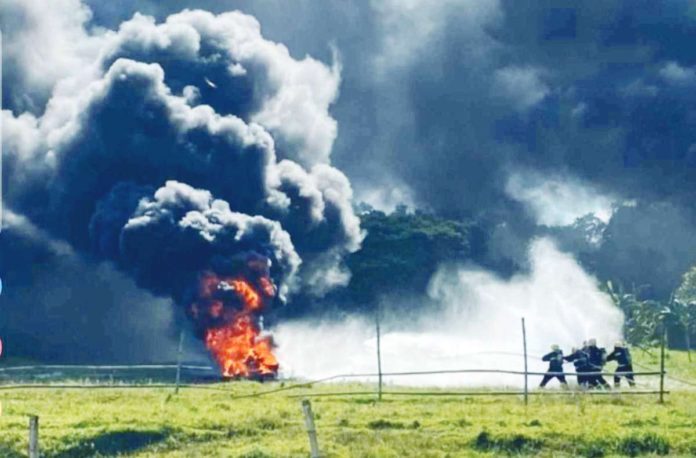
[(402, 251)]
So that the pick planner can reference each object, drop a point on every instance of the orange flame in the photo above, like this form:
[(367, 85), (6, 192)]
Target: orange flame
[(267, 287), (240, 351), (251, 298), (238, 346)]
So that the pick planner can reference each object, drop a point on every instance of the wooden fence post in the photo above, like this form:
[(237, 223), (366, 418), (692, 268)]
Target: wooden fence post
[(379, 356), (33, 436), (662, 363), (178, 362), (526, 372), (311, 429)]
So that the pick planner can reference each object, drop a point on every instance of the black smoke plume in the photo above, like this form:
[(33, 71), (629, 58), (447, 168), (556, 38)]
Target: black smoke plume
[(181, 146)]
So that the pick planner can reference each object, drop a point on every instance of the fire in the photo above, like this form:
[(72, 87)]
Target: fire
[(267, 287), (250, 297), (227, 310), (240, 351)]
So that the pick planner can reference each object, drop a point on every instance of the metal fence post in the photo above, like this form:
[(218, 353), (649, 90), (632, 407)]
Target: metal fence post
[(33, 436), (662, 363), (311, 429), (526, 372), (379, 356), (178, 362)]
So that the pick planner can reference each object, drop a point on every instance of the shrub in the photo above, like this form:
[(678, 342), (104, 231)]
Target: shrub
[(385, 424), (514, 444), (257, 454), (593, 450), (635, 445)]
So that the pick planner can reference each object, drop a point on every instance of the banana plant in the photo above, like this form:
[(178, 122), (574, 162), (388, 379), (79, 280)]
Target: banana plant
[(642, 316), (684, 306)]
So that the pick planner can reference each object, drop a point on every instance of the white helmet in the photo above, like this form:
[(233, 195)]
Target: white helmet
[(555, 347), (592, 342)]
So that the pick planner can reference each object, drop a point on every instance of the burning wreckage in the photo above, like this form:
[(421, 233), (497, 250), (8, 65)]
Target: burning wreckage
[(226, 313)]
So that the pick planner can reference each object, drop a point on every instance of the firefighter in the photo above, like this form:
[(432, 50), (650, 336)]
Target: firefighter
[(555, 360), (597, 357), (622, 356), (579, 358)]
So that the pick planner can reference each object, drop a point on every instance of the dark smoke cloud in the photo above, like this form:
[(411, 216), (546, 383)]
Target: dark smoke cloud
[(649, 247), (446, 102), (486, 86), (58, 305), (186, 229), (128, 125), (184, 142)]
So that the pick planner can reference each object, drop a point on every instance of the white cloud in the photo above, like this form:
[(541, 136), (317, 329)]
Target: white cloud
[(298, 113), (579, 110), (639, 88), (21, 225), (410, 26), (387, 198), (522, 86), (557, 200), (45, 41), (676, 74)]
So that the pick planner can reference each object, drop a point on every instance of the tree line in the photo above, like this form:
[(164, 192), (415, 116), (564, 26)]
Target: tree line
[(403, 249)]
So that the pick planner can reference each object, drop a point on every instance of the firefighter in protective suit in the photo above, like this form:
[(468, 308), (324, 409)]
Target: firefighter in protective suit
[(622, 356), (555, 360), (597, 359), (580, 359)]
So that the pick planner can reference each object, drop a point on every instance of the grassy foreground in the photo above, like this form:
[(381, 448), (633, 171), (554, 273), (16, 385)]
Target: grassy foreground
[(149, 422), (202, 422)]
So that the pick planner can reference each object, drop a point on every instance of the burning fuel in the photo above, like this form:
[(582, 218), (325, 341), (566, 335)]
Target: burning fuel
[(227, 314)]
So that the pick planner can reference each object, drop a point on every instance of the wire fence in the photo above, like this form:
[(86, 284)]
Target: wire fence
[(203, 377), (88, 376), (301, 389)]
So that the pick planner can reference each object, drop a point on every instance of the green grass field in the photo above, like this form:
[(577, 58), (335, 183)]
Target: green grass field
[(150, 422)]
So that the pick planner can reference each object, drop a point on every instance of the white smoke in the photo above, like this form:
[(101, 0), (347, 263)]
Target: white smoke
[(477, 326), (558, 200)]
